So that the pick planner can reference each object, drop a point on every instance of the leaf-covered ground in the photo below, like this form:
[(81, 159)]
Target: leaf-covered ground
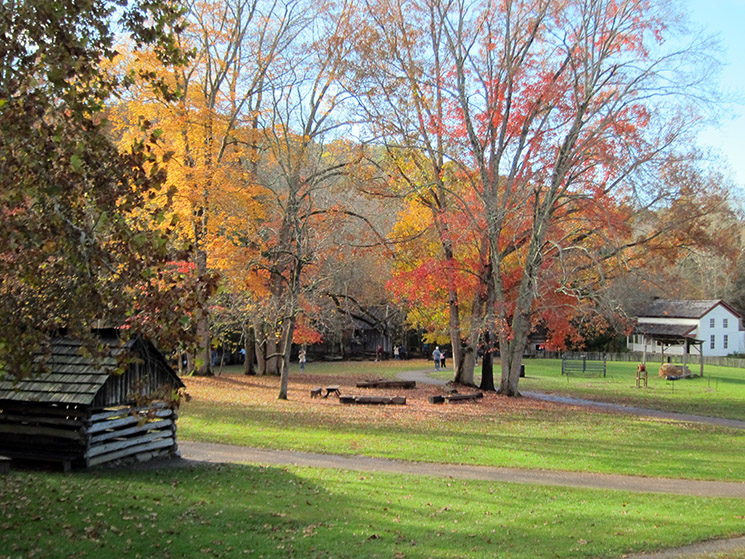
[(494, 431)]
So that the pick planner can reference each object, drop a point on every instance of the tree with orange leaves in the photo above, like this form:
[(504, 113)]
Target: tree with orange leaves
[(212, 132)]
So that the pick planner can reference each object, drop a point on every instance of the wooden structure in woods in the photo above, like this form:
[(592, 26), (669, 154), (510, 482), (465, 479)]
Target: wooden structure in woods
[(84, 410), (665, 336)]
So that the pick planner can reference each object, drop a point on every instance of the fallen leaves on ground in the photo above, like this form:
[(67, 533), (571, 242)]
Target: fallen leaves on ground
[(242, 390)]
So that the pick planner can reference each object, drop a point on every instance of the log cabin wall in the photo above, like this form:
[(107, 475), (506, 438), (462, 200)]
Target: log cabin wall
[(78, 413)]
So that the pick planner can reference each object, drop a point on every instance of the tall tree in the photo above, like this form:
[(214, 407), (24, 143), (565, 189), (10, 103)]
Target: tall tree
[(72, 252), (213, 130), (303, 158), (555, 110)]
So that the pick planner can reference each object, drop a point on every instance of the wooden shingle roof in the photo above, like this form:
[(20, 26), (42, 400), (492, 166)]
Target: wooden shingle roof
[(71, 377)]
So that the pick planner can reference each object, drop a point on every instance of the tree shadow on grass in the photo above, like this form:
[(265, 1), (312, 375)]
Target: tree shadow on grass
[(239, 510)]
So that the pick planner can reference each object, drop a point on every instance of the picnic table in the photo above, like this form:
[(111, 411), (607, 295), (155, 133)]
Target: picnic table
[(330, 390), (318, 391)]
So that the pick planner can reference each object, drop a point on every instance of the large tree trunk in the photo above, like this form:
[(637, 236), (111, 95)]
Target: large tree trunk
[(479, 305), (285, 361), (514, 342), (269, 363), (465, 367), (487, 366), (204, 353), (266, 349), (249, 347)]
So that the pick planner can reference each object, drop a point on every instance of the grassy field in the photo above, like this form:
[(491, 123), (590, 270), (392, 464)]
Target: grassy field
[(260, 512), (496, 431), (279, 512), (719, 393)]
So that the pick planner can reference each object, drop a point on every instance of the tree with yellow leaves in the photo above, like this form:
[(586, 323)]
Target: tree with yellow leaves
[(213, 130)]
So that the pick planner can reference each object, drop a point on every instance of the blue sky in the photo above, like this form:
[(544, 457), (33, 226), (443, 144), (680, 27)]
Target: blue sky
[(726, 18)]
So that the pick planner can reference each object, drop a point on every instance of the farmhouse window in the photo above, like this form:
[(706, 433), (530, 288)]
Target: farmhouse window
[(712, 322), (712, 343), (724, 324), (725, 342)]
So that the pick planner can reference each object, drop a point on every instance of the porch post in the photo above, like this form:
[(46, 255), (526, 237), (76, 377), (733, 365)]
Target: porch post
[(701, 352)]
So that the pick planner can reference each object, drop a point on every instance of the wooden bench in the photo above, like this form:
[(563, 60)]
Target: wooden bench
[(582, 367), (373, 400), (315, 392), (382, 383)]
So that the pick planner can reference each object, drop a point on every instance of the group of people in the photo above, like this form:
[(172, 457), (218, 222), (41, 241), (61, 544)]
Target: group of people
[(399, 352), (438, 356)]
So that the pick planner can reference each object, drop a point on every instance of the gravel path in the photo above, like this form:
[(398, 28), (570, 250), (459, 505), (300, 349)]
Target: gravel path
[(422, 377), (682, 417), (222, 453)]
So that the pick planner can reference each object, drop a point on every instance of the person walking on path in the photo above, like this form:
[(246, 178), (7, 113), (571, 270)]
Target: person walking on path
[(301, 359), (436, 357), (395, 352)]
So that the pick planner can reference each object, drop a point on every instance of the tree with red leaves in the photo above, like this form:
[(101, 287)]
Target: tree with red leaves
[(559, 116)]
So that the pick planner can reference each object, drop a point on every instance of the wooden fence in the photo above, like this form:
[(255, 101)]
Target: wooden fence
[(636, 357)]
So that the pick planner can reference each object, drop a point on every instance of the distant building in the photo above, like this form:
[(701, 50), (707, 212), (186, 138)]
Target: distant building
[(673, 326)]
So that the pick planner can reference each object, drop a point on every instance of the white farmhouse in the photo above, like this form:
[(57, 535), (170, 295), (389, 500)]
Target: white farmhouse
[(672, 327)]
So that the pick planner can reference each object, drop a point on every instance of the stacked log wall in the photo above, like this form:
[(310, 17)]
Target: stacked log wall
[(141, 433), (55, 433), (78, 435)]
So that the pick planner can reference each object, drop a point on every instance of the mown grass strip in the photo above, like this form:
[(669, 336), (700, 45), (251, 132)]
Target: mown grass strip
[(262, 512), (565, 439), (719, 393)]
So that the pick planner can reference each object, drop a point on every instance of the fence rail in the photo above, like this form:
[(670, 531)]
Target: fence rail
[(582, 366), (636, 356)]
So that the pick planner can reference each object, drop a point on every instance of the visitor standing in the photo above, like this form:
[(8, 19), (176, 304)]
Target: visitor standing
[(436, 357), (301, 359)]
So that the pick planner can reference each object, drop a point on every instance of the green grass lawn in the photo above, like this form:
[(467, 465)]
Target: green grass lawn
[(569, 440), (554, 437), (260, 512), (293, 512), (719, 393)]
